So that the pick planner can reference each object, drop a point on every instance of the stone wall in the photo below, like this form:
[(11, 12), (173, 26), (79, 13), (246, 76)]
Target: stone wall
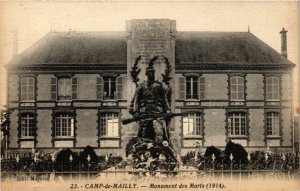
[(256, 127), (13, 131), (286, 87), (87, 127), (13, 87), (216, 86), (214, 131), (255, 87), (44, 87), (286, 127), (87, 84), (44, 128)]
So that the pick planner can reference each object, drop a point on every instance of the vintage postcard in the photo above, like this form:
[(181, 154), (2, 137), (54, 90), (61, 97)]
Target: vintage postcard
[(185, 95)]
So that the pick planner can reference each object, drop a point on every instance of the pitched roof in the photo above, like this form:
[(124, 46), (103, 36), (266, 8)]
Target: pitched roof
[(77, 48), (224, 47), (111, 48)]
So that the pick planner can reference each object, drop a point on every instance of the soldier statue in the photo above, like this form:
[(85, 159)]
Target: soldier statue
[(150, 98), (150, 108)]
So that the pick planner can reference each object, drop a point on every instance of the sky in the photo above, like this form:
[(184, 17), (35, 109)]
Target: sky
[(33, 20)]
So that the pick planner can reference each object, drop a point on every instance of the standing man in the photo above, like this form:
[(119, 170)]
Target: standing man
[(150, 98)]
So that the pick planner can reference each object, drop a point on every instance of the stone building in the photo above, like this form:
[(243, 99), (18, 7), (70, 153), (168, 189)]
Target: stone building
[(71, 89)]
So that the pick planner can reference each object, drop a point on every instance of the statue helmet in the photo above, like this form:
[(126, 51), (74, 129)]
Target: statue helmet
[(149, 69)]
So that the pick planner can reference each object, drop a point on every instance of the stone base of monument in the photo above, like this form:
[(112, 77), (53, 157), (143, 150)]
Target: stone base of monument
[(150, 157)]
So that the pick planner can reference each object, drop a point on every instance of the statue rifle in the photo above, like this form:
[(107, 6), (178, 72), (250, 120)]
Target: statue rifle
[(152, 116)]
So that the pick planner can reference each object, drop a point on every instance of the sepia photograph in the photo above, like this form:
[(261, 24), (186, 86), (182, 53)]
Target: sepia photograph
[(186, 95)]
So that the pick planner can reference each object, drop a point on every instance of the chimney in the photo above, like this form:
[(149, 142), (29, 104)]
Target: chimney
[(283, 42), (15, 43)]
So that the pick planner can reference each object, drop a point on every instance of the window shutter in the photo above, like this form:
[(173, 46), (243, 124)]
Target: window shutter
[(53, 88), (276, 124), (201, 88), (241, 88), (119, 91), (74, 88), (23, 89), (233, 88), (181, 87), (34, 126), (124, 92), (276, 88), (30, 95), (99, 88)]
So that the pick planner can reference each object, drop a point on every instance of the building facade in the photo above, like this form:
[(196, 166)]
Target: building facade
[(71, 89)]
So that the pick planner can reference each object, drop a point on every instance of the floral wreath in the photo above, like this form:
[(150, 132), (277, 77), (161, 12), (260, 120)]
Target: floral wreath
[(135, 70)]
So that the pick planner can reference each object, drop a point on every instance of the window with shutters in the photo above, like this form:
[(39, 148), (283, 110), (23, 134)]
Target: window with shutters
[(109, 125), (237, 91), (64, 125), (191, 87), (27, 89), (109, 90), (28, 125), (64, 88), (272, 88), (272, 124), (237, 122), (192, 124)]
